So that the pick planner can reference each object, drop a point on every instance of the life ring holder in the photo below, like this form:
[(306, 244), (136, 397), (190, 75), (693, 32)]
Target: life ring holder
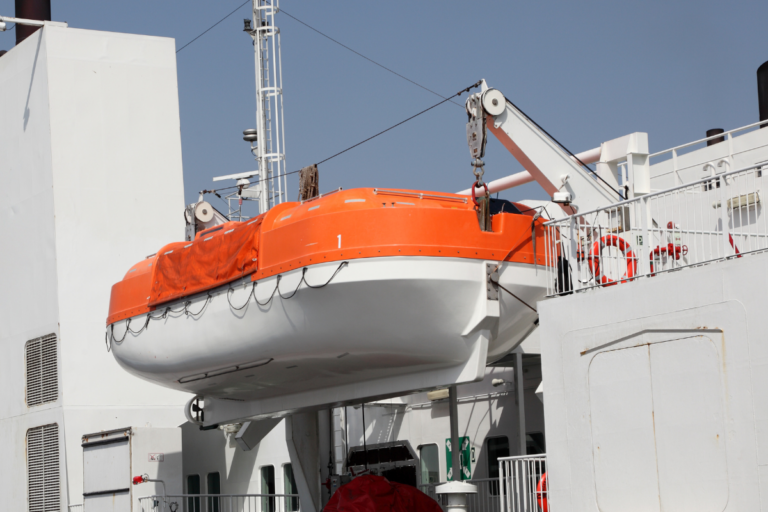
[(541, 493), (622, 245)]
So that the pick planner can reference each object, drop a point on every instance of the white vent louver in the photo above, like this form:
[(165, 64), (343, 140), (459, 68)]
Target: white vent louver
[(44, 491), (42, 370)]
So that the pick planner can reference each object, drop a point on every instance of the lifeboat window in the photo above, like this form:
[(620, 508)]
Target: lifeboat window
[(213, 480), (430, 464), (208, 232), (193, 487), (268, 487), (289, 487), (496, 447), (313, 208), (286, 217), (503, 206), (409, 204), (355, 201)]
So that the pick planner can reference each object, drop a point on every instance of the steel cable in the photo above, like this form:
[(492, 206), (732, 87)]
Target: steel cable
[(467, 89)]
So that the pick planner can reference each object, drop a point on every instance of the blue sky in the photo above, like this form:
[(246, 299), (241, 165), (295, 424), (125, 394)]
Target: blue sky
[(587, 71)]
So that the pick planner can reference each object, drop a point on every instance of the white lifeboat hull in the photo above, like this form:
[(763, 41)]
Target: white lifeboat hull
[(380, 326)]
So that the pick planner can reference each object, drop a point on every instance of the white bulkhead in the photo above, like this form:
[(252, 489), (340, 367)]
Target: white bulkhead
[(90, 181)]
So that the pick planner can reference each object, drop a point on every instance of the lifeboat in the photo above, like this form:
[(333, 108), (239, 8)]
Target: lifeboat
[(333, 299)]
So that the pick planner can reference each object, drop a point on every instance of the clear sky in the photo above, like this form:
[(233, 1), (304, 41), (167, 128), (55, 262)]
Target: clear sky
[(587, 71)]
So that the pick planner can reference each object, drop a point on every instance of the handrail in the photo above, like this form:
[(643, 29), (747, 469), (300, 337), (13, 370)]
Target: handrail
[(705, 139), (660, 192)]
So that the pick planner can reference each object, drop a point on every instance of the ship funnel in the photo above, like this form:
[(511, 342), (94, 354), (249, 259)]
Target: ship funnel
[(712, 133), (762, 91), (31, 10)]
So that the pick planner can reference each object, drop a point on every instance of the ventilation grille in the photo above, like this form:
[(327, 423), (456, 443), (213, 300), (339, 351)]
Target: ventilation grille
[(42, 371), (43, 469)]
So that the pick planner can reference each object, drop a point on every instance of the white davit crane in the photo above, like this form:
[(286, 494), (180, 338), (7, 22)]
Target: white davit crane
[(560, 173)]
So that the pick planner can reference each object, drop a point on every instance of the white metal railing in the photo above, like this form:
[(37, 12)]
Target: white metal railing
[(75, 508), (523, 484), (486, 499), (221, 503), (712, 219), (676, 152)]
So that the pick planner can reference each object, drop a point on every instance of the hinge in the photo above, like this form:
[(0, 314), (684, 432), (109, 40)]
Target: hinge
[(491, 278)]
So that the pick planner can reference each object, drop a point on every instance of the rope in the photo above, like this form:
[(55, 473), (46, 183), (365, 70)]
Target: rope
[(209, 28), (189, 313), (110, 334), (366, 58), (247, 300), (515, 296)]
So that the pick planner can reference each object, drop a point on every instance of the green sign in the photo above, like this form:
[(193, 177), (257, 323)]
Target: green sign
[(466, 465)]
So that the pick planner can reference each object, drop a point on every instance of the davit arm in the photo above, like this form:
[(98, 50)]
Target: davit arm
[(557, 171)]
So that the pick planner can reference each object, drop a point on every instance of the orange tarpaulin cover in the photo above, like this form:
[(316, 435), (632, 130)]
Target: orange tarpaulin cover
[(214, 258), (371, 493)]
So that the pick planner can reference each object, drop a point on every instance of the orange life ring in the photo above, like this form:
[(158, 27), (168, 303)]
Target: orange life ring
[(620, 244), (541, 493)]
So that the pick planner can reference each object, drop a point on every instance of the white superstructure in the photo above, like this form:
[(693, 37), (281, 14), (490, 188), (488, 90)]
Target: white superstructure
[(90, 180)]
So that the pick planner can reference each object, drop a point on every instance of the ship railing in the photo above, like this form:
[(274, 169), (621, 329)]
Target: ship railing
[(522, 484), (220, 503), (680, 167), (75, 508), (716, 218), (486, 499)]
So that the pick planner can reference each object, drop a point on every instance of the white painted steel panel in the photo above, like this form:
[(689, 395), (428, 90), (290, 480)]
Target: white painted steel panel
[(107, 467), (624, 451), (690, 426), (117, 502), (62, 93)]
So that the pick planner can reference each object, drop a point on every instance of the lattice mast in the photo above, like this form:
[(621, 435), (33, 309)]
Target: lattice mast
[(270, 147)]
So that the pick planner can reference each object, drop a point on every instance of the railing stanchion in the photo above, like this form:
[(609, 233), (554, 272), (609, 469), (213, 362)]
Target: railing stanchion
[(724, 216), (645, 248), (573, 263)]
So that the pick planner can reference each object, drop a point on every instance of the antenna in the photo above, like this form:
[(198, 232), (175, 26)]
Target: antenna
[(267, 139), (269, 147)]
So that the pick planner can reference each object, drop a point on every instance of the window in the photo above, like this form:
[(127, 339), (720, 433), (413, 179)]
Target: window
[(193, 487), (289, 487), (534, 443), (497, 447), (430, 464), (42, 370), (43, 486), (214, 487), (268, 487)]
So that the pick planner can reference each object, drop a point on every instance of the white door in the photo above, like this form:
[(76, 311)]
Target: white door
[(658, 428), (107, 472)]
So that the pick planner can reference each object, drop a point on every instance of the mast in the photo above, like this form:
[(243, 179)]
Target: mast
[(270, 147)]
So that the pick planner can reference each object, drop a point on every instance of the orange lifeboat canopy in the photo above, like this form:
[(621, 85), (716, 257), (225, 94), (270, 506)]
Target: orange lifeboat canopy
[(345, 225)]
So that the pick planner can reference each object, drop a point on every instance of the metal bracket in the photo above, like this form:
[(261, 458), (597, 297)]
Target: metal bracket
[(491, 277)]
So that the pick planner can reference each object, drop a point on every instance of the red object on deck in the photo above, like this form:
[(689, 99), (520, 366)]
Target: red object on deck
[(370, 493)]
